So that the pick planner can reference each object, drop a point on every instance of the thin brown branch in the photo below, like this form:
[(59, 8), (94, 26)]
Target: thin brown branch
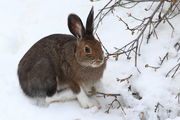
[(148, 24), (102, 9), (124, 79), (153, 67), (135, 45), (115, 100), (159, 21), (100, 94), (118, 106)]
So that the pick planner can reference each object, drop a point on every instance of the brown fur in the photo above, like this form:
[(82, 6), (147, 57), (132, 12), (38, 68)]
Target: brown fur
[(57, 60)]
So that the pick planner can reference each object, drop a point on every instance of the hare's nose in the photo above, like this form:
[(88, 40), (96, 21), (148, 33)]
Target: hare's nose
[(100, 59)]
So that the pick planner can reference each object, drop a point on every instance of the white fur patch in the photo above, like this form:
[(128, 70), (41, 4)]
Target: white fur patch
[(63, 96), (85, 101), (94, 65)]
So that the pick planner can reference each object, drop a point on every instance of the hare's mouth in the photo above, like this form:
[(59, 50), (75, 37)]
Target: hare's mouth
[(92, 63), (97, 63)]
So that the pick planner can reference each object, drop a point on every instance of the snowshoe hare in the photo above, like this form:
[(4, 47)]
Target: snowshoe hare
[(62, 67)]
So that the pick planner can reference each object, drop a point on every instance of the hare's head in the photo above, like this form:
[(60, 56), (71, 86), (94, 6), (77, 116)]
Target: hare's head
[(88, 50)]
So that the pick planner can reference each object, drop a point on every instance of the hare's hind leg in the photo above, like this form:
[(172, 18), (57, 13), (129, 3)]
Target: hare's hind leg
[(63, 96), (68, 95), (41, 80)]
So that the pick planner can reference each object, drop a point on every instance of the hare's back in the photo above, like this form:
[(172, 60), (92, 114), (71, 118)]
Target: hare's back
[(48, 47), (57, 39)]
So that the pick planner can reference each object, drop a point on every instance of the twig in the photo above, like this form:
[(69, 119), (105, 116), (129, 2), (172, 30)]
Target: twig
[(175, 69), (124, 79), (101, 15), (102, 9), (149, 23), (134, 94), (177, 46), (157, 107), (135, 45), (102, 45), (163, 59), (178, 97), (148, 66), (107, 95), (143, 0), (104, 95), (111, 106), (159, 21)]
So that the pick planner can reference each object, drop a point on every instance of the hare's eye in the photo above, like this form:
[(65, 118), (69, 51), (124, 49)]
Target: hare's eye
[(87, 50)]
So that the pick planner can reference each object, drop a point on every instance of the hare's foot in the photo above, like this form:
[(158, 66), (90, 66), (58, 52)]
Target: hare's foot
[(63, 96), (85, 101)]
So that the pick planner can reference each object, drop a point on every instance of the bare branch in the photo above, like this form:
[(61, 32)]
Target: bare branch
[(157, 106), (163, 59), (124, 79), (107, 95), (102, 44), (175, 69), (148, 24), (178, 97), (115, 100), (149, 66)]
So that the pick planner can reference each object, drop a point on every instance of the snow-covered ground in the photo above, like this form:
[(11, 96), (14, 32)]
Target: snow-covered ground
[(24, 22)]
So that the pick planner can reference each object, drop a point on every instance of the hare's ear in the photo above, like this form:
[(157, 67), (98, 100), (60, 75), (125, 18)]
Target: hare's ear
[(76, 26), (90, 22)]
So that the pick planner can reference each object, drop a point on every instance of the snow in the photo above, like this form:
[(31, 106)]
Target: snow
[(24, 22)]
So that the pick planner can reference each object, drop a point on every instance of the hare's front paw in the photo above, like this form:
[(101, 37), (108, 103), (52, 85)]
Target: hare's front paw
[(85, 101), (89, 103), (95, 103)]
